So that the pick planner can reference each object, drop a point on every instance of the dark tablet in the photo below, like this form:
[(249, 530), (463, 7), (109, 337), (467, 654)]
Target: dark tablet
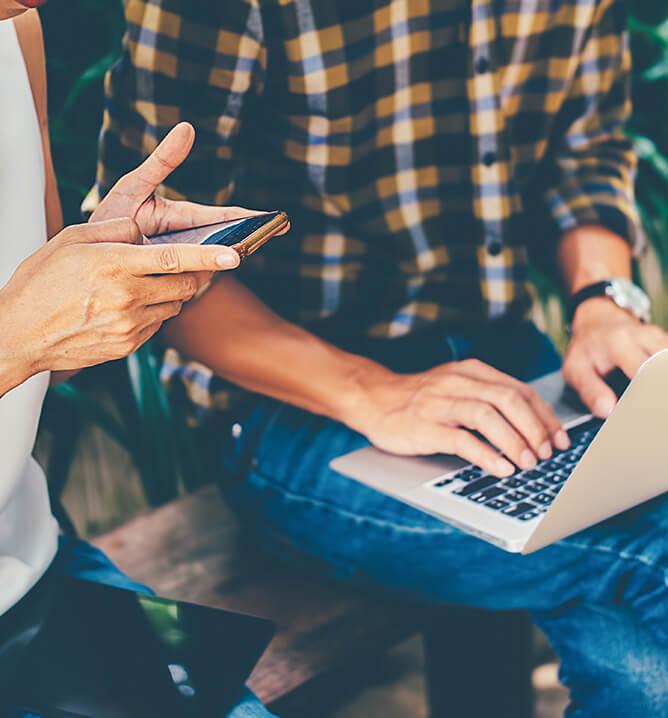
[(84, 649)]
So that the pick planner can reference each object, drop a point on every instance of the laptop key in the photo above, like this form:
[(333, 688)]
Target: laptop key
[(550, 466), (544, 498), (533, 474), (562, 459), (529, 515), (519, 509), (468, 474), (536, 486), (517, 495), (497, 504), (478, 485), (513, 483), (443, 482), (558, 478), (481, 496)]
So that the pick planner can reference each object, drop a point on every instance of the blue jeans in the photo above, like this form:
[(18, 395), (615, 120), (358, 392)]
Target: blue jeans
[(601, 596), (81, 560)]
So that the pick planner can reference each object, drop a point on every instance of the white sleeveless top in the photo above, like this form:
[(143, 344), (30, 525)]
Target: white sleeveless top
[(28, 531)]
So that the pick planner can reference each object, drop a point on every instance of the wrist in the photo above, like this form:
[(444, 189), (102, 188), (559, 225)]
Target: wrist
[(599, 310), (15, 365), (591, 254), (361, 406), (617, 293)]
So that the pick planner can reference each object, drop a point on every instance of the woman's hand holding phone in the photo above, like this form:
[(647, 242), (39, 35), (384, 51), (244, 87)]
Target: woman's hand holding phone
[(95, 292)]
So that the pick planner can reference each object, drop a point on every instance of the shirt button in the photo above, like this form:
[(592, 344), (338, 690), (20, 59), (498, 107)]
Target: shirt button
[(482, 65), (489, 158), (494, 248)]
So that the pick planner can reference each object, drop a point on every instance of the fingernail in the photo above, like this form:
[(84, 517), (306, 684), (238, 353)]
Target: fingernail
[(504, 468), (603, 406), (561, 440), (545, 450), (228, 260), (527, 460)]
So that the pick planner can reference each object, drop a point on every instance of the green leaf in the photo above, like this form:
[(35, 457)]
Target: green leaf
[(93, 74), (155, 449)]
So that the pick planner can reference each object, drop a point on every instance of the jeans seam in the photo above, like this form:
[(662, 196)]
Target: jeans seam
[(356, 518), (448, 530), (623, 555)]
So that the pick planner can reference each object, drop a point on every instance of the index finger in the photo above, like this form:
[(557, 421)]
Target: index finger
[(176, 258), (544, 412)]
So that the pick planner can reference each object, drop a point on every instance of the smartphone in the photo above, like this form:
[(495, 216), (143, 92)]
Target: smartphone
[(245, 236)]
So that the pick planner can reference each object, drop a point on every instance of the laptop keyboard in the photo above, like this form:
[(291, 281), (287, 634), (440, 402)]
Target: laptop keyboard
[(526, 494)]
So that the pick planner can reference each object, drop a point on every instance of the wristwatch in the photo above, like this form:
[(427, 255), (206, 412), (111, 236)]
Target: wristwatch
[(622, 292)]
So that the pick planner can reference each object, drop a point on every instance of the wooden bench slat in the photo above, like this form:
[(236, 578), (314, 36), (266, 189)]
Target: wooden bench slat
[(192, 550)]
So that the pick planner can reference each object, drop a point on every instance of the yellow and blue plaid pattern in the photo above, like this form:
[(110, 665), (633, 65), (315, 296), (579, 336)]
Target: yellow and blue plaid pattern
[(423, 148)]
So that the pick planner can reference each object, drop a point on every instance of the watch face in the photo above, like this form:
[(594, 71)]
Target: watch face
[(627, 296)]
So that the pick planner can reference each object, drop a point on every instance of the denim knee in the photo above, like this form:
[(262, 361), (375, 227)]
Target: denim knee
[(613, 666)]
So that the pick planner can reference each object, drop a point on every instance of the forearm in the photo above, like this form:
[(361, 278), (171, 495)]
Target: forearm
[(15, 367), (254, 348), (590, 254)]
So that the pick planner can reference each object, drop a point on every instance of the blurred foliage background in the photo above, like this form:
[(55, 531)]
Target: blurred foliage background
[(83, 37)]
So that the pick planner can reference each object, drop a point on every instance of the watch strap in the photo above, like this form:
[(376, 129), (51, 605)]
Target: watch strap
[(597, 289)]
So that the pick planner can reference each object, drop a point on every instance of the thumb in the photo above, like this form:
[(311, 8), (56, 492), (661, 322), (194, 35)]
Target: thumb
[(134, 188), (122, 230)]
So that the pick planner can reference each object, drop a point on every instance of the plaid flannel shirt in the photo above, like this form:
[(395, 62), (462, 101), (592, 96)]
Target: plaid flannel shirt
[(423, 148)]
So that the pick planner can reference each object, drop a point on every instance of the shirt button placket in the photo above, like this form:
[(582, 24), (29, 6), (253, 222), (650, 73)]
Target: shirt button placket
[(482, 65), (488, 153)]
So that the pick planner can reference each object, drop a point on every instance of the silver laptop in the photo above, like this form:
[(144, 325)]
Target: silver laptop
[(610, 467)]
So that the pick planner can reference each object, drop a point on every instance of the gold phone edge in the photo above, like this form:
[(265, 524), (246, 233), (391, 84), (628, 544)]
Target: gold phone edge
[(261, 236)]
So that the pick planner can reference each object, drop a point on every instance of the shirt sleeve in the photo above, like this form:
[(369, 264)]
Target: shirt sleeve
[(204, 65), (593, 165)]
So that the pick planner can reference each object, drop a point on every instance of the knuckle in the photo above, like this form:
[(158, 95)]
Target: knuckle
[(125, 347), (473, 364), (114, 271), (483, 413), (458, 441), (131, 346), (125, 326), (568, 372), (657, 333), (69, 234), (169, 259), (509, 396), (536, 399), (127, 296), (189, 287), (130, 228), (174, 309), (450, 407)]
